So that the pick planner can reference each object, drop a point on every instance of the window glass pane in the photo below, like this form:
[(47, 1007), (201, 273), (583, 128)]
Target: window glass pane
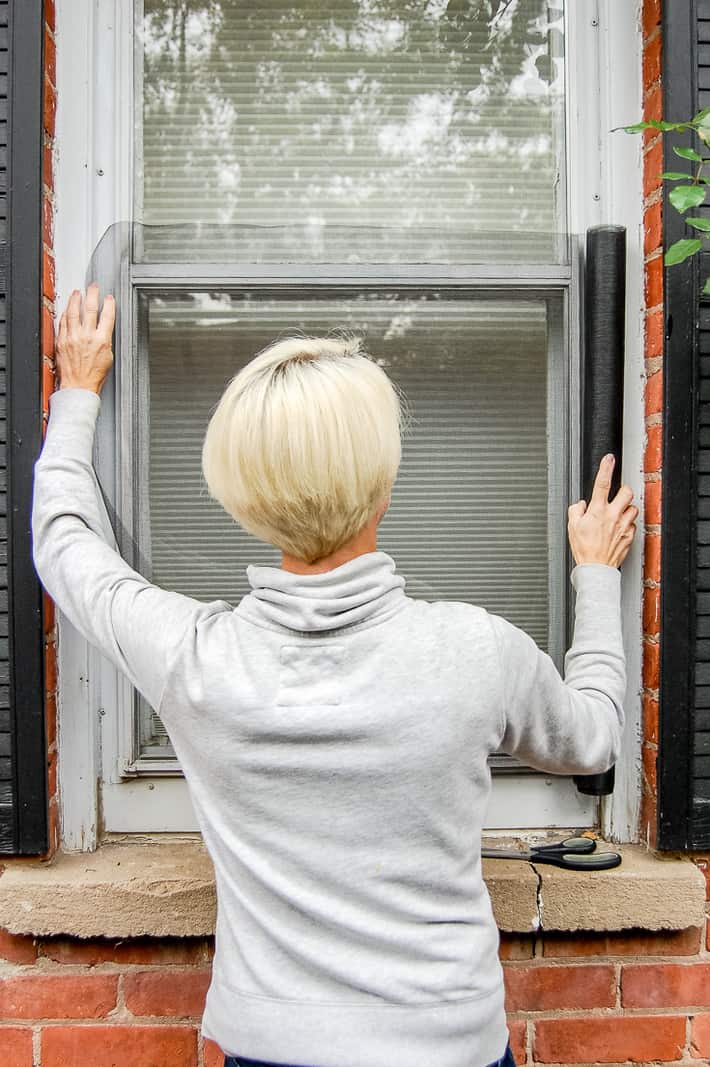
[(353, 131), (470, 510)]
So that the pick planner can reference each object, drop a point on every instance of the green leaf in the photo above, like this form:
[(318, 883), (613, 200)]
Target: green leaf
[(699, 224), (638, 127), (688, 153), (706, 289), (682, 250), (654, 124), (674, 176), (705, 113), (686, 196)]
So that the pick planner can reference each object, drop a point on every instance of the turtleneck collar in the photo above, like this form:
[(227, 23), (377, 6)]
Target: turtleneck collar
[(361, 589)]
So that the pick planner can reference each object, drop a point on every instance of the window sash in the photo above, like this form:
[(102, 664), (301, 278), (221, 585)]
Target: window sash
[(564, 463)]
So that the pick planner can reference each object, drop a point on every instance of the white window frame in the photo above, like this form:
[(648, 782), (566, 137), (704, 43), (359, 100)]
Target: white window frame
[(93, 188)]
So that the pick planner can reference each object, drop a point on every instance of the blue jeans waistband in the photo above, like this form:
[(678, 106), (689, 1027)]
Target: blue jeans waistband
[(506, 1060)]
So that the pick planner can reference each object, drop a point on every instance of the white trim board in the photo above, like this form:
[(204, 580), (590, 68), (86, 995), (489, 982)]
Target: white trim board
[(93, 181)]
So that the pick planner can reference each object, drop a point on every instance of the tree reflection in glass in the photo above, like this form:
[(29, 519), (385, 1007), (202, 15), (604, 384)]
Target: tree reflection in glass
[(355, 131)]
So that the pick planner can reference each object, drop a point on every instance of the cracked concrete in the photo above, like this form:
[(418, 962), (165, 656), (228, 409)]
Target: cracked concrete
[(136, 888)]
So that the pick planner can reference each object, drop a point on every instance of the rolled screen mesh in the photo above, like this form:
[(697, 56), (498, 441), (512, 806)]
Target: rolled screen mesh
[(351, 131)]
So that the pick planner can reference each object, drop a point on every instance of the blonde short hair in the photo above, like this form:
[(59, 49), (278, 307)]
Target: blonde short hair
[(305, 444)]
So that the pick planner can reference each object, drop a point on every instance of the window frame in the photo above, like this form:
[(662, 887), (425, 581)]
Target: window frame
[(98, 799)]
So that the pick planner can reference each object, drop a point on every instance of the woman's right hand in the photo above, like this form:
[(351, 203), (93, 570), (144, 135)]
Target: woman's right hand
[(603, 531)]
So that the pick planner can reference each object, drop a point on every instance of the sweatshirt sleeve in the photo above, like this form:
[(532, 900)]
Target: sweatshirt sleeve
[(136, 625), (572, 726)]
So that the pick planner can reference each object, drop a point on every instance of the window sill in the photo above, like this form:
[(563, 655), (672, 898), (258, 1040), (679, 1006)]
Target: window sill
[(139, 888)]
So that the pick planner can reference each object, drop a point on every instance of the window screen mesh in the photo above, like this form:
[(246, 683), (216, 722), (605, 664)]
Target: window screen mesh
[(469, 512), (351, 131)]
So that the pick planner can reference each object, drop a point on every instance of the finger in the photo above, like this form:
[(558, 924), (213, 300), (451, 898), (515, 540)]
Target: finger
[(91, 306), (575, 511), (622, 499), (602, 482), (629, 517), (108, 318), (62, 331), (73, 310)]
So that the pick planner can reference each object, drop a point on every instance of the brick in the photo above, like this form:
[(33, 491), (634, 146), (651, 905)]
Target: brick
[(651, 612), (652, 558), (652, 168), (50, 667), (47, 166), (654, 449), (665, 985), (48, 378), (648, 817), (58, 996), (700, 1036), (53, 826), (546, 987), (654, 334), (623, 943), (47, 332), (212, 1053), (47, 221), (49, 13), (609, 1039), (652, 228), (50, 57), (652, 493), (517, 1040), (17, 948), (119, 1046), (185, 951), (52, 773), (651, 663), (651, 63), (653, 104), (49, 106), (48, 289), (166, 993), (651, 16), (16, 1045), (653, 394), (650, 718), (514, 947), (50, 707), (48, 613), (649, 758)]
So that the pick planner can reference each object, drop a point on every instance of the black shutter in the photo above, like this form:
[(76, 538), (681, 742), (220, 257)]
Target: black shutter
[(684, 742), (23, 762)]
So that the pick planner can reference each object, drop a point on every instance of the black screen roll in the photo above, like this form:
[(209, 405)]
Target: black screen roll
[(602, 432)]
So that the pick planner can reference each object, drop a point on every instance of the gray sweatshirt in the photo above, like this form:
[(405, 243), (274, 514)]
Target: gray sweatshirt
[(334, 735)]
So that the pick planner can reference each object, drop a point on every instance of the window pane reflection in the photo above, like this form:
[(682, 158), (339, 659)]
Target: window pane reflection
[(354, 131)]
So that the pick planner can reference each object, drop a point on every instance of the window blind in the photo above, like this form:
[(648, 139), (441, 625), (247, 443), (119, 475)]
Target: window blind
[(351, 131), (469, 513)]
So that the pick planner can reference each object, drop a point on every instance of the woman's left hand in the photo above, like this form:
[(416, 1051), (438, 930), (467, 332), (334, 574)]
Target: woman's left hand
[(84, 354)]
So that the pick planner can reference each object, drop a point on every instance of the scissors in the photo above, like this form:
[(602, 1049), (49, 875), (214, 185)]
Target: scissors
[(574, 853)]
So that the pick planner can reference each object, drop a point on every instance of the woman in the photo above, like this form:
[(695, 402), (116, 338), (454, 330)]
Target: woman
[(333, 731)]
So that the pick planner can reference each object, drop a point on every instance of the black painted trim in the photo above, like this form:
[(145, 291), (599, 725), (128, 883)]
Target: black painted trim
[(24, 304), (680, 403)]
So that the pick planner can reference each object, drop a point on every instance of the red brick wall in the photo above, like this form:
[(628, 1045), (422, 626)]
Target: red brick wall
[(653, 166), (586, 999), (590, 998), (48, 330)]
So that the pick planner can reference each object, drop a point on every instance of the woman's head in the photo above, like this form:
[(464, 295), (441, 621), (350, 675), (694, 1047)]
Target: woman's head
[(304, 445)]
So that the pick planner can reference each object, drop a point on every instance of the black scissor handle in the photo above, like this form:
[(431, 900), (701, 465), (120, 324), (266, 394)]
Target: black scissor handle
[(578, 845), (574, 861)]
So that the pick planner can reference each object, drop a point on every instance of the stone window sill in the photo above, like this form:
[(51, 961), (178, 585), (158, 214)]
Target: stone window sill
[(134, 888)]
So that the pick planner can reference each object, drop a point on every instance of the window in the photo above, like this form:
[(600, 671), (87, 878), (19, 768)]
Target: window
[(411, 170)]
